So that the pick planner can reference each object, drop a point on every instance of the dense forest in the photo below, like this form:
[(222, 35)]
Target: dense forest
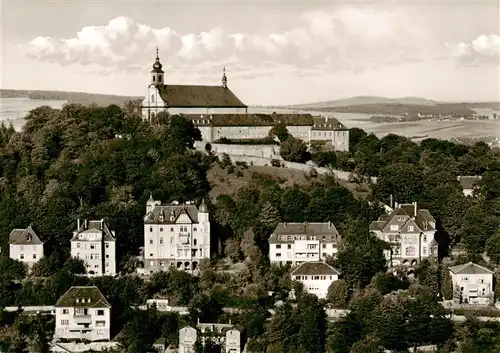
[(102, 162)]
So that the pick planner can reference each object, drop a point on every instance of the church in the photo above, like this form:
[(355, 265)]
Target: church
[(188, 99), (220, 115)]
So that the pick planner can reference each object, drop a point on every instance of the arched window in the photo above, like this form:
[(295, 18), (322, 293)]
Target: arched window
[(159, 78), (152, 98), (154, 78)]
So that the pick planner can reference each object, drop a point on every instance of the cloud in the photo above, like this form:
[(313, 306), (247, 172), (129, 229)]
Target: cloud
[(332, 39), (485, 49)]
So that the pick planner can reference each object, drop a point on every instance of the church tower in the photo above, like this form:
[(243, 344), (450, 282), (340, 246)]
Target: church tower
[(157, 72), (224, 78)]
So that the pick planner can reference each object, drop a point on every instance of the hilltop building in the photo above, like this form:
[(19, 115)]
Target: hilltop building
[(316, 277), (25, 246), (219, 113), (175, 235), (469, 183), (83, 313), (95, 244), (410, 232), (296, 243)]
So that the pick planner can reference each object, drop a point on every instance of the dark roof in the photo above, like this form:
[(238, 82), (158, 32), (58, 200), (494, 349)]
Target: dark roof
[(315, 268), (171, 210), (250, 119), (289, 232), (79, 296), (327, 123), (94, 227), (24, 237), (405, 215), (470, 269), (190, 96), (469, 182)]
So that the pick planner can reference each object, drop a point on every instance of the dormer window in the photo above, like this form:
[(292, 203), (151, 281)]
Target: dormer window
[(28, 238), (161, 218), (77, 300), (172, 217)]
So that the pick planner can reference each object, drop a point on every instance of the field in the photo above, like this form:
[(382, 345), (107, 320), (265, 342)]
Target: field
[(224, 183)]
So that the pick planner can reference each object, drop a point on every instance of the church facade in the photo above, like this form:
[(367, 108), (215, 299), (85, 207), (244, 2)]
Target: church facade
[(219, 113)]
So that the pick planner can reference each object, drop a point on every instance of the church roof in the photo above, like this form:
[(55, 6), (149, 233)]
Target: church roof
[(197, 96)]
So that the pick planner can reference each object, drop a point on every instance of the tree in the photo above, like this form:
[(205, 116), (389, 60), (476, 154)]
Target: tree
[(447, 285), (270, 216), (294, 150), (327, 158), (280, 131)]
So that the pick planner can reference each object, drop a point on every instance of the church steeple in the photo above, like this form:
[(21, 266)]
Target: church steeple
[(157, 72), (224, 78)]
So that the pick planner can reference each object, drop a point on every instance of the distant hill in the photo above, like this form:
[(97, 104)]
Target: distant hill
[(362, 100), (70, 97)]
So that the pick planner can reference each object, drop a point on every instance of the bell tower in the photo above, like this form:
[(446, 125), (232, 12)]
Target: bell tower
[(157, 72)]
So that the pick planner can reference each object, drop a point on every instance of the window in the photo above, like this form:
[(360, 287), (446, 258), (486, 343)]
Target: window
[(161, 229), (154, 79), (465, 279), (107, 256), (410, 251), (107, 245), (100, 312), (424, 238), (159, 78), (289, 246), (150, 241), (100, 323), (21, 256), (65, 311), (194, 241), (152, 96), (424, 250), (92, 246), (410, 228), (78, 245), (278, 254), (161, 239), (278, 246), (64, 322), (150, 229), (394, 227), (194, 229), (22, 247), (324, 246), (34, 256), (171, 229)]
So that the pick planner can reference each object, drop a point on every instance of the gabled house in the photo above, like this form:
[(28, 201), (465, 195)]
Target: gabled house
[(95, 244), (474, 282), (25, 246), (296, 243), (83, 313), (409, 231), (316, 277), (175, 235), (469, 183), (231, 338)]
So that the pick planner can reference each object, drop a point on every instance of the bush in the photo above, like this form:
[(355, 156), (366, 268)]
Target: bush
[(276, 163), (294, 150)]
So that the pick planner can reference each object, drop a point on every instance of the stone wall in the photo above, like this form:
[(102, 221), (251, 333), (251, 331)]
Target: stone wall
[(263, 151)]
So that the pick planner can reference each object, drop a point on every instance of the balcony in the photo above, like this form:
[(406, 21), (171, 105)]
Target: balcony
[(83, 319)]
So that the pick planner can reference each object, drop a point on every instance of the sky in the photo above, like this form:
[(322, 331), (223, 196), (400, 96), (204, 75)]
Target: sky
[(275, 52)]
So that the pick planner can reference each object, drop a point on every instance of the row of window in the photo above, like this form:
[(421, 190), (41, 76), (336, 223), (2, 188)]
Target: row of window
[(91, 246), (151, 242), (100, 323), (326, 133), (83, 311), (182, 229), (181, 253), (22, 247), (305, 237), (314, 278), (309, 246)]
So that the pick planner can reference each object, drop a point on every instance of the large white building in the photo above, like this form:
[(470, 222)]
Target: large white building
[(229, 337), (409, 231), (25, 246), (296, 243), (218, 113), (83, 313), (175, 235), (95, 244), (316, 277), (474, 282)]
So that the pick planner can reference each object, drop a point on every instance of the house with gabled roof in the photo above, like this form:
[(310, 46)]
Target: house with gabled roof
[(469, 183), (316, 277), (409, 231), (231, 338), (83, 313), (474, 282), (176, 235), (95, 244), (25, 246), (296, 243)]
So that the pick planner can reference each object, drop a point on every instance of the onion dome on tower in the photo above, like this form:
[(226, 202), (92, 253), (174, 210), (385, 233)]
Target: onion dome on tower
[(157, 72)]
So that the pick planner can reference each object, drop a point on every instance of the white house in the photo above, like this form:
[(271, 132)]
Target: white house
[(83, 313), (474, 282), (296, 243), (316, 277), (409, 231), (175, 235), (25, 246), (231, 338), (95, 244), (469, 183)]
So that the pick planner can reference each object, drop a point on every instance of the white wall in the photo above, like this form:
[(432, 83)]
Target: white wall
[(28, 254), (480, 285), (298, 251), (66, 321), (317, 284), (264, 151)]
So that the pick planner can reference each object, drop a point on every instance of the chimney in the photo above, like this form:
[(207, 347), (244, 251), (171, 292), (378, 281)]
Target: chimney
[(415, 206), (284, 224), (85, 224), (396, 205), (229, 321), (329, 225), (391, 202), (78, 224), (198, 320)]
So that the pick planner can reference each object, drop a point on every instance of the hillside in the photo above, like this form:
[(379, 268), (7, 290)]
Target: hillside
[(362, 100), (70, 97)]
